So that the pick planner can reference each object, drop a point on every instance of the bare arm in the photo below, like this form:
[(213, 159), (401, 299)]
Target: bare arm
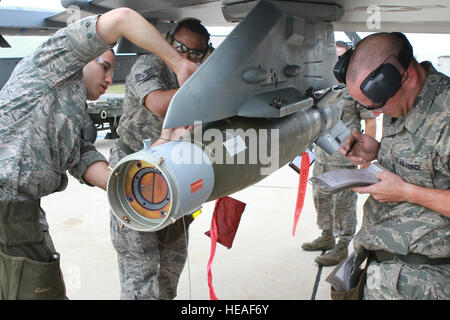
[(97, 174), (158, 101), (392, 188), (127, 23), (434, 199)]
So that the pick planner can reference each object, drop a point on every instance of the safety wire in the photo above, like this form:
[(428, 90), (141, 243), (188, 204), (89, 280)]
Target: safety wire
[(188, 264)]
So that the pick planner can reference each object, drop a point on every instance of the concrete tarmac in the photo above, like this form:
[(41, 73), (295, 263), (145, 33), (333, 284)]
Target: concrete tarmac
[(265, 261)]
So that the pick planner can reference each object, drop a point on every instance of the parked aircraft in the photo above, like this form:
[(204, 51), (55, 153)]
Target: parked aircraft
[(272, 75)]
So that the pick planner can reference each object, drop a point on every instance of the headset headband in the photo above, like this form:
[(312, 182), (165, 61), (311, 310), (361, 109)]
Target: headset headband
[(404, 56)]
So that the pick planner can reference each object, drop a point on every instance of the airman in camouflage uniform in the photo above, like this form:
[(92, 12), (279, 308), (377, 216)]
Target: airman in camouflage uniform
[(35, 157), (150, 263), (138, 123), (406, 219), (42, 118), (336, 214)]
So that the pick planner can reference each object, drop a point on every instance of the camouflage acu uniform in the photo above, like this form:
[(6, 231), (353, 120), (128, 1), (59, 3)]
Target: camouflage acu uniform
[(337, 213), (42, 116), (138, 123), (149, 266), (417, 148)]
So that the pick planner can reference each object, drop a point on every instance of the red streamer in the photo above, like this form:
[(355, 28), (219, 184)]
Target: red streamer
[(302, 184)]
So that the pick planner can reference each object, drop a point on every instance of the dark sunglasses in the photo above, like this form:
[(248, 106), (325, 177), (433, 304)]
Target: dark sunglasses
[(375, 106), (193, 53)]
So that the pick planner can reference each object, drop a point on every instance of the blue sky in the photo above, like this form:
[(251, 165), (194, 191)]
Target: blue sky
[(426, 46)]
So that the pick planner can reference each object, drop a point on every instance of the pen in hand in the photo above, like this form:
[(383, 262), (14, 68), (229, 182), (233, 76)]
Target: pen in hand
[(352, 145)]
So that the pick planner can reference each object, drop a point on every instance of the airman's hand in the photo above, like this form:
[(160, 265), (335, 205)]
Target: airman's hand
[(172, 134), (176, 133), (186, 69), (390, 188), (365, 148)]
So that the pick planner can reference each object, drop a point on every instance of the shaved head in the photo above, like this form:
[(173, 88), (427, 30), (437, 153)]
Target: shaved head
[(370, 53), (397, 96)]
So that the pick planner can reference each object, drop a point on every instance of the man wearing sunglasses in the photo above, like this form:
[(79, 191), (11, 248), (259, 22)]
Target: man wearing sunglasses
[(406, 226), (336, 214), (150, 263)]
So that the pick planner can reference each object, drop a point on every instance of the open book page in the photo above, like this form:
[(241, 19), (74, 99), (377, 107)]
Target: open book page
[(337, 180)]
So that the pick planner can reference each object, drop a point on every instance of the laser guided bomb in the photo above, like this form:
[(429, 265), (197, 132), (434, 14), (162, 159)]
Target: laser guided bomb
[(256, 99), (156, 186)]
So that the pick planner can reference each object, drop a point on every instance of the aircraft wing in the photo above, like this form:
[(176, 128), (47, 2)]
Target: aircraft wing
[(343, 15), (399, 15), (269, 84), (16, 21)]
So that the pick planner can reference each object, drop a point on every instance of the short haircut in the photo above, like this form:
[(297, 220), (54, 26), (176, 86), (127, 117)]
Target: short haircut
[(193, 25), (374, 50)]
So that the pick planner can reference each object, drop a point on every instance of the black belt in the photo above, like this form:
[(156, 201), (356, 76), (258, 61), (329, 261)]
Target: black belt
[(411, 258)]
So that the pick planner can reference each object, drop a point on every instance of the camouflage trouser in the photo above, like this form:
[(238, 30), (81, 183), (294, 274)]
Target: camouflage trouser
[(395, 281), (29, 264), (336, 212), (148, 268)]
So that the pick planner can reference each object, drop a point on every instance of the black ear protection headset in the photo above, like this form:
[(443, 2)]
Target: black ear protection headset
[(383, 82), (196, 26)]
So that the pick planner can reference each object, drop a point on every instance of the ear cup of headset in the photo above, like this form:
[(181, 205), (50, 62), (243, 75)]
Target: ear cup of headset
[(340, 68), (382, 83), (404, 57)]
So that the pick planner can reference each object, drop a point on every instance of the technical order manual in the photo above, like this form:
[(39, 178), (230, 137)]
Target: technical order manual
[(337, 180)]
